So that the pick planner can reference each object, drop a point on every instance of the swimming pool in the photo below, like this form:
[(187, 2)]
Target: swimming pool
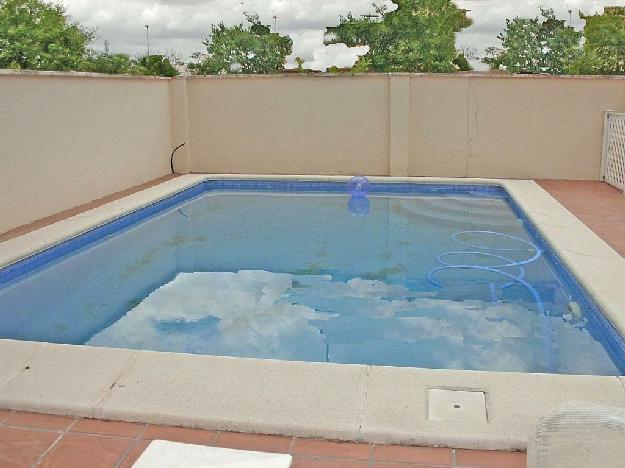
[(439, 276)]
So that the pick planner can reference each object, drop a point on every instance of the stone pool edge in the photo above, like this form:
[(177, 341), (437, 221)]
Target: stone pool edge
[(385, 405), (334, 401)]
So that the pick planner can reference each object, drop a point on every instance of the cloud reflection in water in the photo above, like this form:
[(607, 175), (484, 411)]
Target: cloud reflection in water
[(310, 317)]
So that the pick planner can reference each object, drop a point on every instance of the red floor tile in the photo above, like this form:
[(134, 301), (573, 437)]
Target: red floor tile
[(83, 450), (40, 421), (423, 455), (323, 448), (22, 447), (180, 434), (135, 452), (116, 428), (4, 414), (598, 205), (83, 447), (312, 463), (259, 442), (407, 465), (488, 459)]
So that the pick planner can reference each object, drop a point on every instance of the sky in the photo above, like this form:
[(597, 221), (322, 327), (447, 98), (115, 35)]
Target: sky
[(182, 25)]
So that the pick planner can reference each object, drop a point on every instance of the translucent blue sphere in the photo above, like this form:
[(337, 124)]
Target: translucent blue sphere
[(358, 186), (359, 206)]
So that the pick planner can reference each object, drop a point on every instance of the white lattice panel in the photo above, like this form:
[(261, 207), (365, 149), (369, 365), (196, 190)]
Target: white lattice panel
[(613, 163)]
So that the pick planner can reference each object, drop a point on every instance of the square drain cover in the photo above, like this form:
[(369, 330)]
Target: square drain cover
[(456, 405)]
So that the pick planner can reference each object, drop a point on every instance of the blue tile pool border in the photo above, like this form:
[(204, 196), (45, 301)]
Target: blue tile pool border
[(598, 324)]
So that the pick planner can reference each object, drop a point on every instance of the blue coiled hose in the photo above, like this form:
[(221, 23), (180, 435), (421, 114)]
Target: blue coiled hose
[(507, 262)]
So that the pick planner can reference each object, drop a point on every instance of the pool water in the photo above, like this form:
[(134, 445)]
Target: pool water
[(434, 279)]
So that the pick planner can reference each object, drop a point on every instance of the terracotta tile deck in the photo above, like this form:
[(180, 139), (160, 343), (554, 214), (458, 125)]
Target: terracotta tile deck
[(29, 440), (598, 205)]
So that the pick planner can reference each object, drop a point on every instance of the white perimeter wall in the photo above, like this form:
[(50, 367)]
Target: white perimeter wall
[(67, 139), (522, 127), (289, 125), (464, 125)]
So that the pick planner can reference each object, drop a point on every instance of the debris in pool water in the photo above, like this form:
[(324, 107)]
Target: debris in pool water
[(575, 309)]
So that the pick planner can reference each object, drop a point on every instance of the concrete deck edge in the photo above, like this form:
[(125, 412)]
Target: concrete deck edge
[(364, 403), (595, 265)]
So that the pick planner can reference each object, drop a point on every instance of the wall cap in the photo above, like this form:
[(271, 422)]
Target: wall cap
[(460, 75), (73, 74), (410, 75)]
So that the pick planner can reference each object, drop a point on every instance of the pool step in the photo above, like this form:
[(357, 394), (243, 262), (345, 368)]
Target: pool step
[(450, 213)]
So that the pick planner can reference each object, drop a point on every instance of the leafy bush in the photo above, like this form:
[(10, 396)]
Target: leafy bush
[(250, 49)]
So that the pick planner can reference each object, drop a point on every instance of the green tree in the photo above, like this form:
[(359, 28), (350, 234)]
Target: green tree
[(604, 49), (462, 63), (418, 36), (118, 64), (252, 49), (39, 36), (157, 65), (112, 64), (536, 45), (300, 64)]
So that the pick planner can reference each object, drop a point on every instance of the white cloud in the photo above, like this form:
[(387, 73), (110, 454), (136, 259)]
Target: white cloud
[(183, 24)]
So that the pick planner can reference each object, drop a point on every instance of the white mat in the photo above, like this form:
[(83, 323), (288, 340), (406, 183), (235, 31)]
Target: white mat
[(165, 454)]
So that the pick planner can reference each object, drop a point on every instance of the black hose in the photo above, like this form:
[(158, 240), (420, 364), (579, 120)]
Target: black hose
[(171, 160)]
